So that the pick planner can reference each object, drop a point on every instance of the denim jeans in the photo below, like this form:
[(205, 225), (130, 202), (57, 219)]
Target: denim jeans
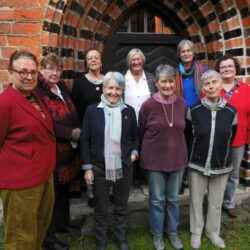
[(164, 202), (233, 179)]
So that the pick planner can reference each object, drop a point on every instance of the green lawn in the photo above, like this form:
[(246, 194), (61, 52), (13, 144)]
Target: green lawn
[(236, 235)]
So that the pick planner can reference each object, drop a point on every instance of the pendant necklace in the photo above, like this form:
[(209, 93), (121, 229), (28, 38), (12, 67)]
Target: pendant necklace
[(170, 123)]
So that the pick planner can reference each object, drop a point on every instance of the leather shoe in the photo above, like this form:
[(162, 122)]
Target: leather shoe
[(56, 246), (231, 212)]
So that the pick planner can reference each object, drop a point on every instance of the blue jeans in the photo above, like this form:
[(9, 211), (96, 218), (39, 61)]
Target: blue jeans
[(164, 202), (233, 179)]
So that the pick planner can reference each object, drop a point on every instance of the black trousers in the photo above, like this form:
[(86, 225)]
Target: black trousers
[(121, 190), (60, 217)]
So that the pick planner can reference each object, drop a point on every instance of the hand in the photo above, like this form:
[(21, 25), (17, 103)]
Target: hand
[(75, 134), (89, 177), (133, 157)]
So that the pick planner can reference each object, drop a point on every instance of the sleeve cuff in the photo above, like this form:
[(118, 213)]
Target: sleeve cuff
[(87, 166), (135, 152)]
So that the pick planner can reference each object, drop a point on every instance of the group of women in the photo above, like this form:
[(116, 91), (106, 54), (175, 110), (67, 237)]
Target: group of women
[(116, 122)]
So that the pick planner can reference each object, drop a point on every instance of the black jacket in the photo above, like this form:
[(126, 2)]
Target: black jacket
[(92, 137), (213, 132)]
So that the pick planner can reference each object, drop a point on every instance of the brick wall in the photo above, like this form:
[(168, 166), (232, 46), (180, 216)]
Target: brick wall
[(70, 27)]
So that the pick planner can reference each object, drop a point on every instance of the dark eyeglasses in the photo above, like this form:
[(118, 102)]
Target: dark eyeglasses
[(25, 73)]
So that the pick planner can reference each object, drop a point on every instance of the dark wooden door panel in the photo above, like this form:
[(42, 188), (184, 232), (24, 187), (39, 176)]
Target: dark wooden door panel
[(158, 49)]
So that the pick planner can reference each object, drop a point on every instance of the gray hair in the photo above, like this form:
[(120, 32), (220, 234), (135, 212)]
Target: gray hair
[(182, 43), (165, 70), (131, 53), (115, 75), (209, 74)]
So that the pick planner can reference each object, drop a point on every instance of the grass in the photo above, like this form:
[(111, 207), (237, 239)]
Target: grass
[(236, 235)]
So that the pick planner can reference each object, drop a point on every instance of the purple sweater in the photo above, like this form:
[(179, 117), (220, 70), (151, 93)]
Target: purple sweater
[(163, 148)]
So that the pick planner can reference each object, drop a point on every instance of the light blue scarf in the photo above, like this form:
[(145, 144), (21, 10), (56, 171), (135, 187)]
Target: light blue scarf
[(112, 147)]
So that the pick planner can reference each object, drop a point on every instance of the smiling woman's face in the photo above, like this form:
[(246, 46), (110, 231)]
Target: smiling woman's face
[(112, 91)]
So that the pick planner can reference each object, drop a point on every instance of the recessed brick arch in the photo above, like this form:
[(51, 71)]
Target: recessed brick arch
[(72, 26)]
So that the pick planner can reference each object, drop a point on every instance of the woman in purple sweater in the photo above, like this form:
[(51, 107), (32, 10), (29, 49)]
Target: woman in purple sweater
[(164, 155)]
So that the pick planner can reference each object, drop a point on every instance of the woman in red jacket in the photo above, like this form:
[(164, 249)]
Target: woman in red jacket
[(237, 94), (27, 157)]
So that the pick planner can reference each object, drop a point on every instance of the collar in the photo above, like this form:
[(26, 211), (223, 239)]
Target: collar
[(100, 105), (130, 76)]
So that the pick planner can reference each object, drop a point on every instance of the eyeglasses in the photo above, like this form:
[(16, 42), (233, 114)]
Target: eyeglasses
[(25, 73), (54, 69), (227, 67)]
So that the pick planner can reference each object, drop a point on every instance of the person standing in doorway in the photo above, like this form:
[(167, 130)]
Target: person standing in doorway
[(87, 89), (188, 83), (139, 86)]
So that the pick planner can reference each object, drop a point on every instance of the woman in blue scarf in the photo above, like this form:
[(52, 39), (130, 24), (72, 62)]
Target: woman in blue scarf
[(109, 147), (188, 82)]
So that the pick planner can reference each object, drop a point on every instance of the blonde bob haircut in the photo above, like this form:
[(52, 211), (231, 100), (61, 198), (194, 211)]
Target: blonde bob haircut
[(131, 53)]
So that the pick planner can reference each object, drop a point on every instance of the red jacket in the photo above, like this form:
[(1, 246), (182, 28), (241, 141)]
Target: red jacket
[(241, 101), (27, 142)]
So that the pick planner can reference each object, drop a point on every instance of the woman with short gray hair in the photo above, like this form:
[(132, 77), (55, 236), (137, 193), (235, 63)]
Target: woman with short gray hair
[(164, 155), (109, 148)]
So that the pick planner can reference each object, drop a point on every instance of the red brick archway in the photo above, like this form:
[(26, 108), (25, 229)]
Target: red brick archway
[(72, 26)]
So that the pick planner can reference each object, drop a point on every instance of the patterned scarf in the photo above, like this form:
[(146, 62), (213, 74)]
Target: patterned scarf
[(196, 69), (113, 130)]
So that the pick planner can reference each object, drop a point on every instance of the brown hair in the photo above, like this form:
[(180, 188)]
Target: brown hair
[(21, 53), (226, 57), (86, 53), (51, 58)]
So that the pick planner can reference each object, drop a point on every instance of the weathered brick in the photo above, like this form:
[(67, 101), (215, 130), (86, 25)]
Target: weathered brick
[(206, 8), (114, 11), (26, 28), (90, 23), (5, 28), (246, 22), (234, 43), (69, 63), (28, 14), (4, 76), (7, 51), (53, 15), (27, 3), (4, 63), (214, 46), (230, 24), (7, 3), (247, 40), (23, 41), (243, 3), (192, 29), (49, 39), (3, 40), (43, 3), (100, 5), (6, 15)]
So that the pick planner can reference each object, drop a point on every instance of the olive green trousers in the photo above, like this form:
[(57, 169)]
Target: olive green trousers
[(27, 214)]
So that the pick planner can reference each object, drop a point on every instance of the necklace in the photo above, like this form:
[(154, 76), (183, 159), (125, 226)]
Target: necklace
[(170, 123)]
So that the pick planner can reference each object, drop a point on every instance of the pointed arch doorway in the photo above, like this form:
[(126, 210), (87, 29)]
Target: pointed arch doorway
[(153, 29)]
